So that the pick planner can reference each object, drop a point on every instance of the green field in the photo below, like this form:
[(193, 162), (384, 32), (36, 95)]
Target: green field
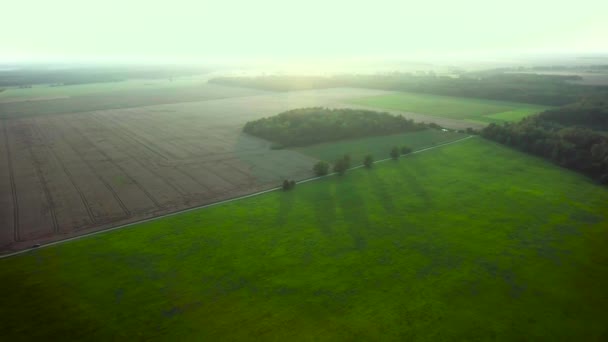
[(470, 241), (379, 147), (469, 109)]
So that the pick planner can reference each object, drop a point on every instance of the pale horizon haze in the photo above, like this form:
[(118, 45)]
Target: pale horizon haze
[(240, 30)]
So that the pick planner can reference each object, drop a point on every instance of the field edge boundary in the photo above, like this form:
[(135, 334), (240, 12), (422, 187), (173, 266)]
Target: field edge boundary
[(183, 211)]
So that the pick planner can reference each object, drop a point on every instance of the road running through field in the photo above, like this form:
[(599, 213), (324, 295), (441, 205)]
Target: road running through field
[(215, 204)]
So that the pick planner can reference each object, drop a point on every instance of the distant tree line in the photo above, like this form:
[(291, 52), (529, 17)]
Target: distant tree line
[(553, 90), (573, 136), (307, 126), (25, 77), (590, 112)]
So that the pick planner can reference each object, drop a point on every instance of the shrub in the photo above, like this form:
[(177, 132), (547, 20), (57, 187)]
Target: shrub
[(368, 161), (395, 153), (340, 166), (288, 184), (321, 168)]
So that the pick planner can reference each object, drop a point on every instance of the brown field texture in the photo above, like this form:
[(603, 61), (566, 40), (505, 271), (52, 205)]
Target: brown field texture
[(66, 174)]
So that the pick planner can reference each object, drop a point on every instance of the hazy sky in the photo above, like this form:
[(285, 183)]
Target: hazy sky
[(296, 29)]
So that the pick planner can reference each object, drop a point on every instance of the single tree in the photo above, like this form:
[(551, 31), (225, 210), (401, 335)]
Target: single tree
[(321, 168), (368, 161), (406, 150), (395, 153), (286, 185), (341, 166), (346, 159)]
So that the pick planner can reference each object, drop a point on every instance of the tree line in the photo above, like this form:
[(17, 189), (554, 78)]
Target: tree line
[(342, 164), (305, 126), (573, 136)]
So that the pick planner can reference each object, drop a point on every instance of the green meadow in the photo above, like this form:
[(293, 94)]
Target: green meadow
[(468, 109), (469, 241)]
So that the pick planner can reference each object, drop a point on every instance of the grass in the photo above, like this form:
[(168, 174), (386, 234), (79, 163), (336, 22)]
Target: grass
[(379, 147), (471, 241), (475, 110)]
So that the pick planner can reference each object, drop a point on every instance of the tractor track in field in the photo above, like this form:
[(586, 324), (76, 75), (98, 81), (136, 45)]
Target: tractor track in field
[(137, 160), (69, 175), (43, 182), (111, 161), (13, 184), (126, 211)]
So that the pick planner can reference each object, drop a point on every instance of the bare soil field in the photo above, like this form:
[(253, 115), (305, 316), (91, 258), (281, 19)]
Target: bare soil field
[(67, 174)]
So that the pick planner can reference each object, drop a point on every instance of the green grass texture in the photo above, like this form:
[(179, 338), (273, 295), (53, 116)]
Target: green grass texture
[(469, 241), (475, 110)]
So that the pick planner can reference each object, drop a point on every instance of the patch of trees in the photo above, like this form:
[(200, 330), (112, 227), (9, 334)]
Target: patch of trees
[(553, 90), (307, 126), (563, 136), (590, 112), (397, 152)]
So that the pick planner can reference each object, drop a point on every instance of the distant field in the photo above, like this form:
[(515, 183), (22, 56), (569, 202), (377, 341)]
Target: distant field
[(95, 97), (471, 241), (379, 147), (473, 110), (47, 90)]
